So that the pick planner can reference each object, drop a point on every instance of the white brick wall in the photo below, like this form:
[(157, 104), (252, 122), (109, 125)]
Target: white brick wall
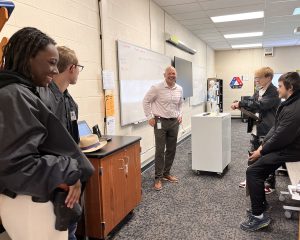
[(75, 24), (245, 62), (143, 23)]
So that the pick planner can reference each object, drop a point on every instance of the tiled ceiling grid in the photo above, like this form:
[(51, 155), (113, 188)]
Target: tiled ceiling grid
[(277, 25)]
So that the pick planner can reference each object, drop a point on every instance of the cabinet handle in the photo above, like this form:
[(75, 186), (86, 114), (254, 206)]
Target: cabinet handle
[(127, 159), (123, 163), (126, 164), (100, 171)]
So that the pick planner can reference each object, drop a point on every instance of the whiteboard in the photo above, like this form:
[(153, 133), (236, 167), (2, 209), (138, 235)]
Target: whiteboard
[(139, 69), (199, 85)]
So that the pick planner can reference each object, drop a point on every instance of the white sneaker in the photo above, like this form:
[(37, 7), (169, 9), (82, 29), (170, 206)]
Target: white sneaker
[(269, 190), (242, 184)]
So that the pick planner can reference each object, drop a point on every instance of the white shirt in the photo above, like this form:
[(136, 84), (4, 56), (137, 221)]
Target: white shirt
[(261, 92), (163, 101)]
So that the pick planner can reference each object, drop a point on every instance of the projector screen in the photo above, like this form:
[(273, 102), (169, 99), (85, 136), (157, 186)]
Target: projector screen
[(184, 76)]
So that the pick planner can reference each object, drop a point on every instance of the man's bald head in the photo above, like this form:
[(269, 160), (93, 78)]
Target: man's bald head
[(170, 76), (169, 68)]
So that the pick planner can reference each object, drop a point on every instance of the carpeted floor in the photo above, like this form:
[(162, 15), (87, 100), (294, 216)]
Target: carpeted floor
[(204, 206)]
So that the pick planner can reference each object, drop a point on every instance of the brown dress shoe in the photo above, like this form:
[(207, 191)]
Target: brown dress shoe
[(157, 185), (171, 178)]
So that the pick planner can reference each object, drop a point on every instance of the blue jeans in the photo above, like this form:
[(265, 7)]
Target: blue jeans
[(72, 229)]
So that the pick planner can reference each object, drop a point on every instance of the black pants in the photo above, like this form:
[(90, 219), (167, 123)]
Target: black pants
[(255, 143), (165, 138), (258, 172)]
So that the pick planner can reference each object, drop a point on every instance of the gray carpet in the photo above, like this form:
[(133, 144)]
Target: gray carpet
[(204, 206)]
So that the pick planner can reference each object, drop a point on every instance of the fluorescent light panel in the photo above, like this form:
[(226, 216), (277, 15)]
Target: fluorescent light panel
[(296, 11), (238, 17), (243, 35), (252, 45)]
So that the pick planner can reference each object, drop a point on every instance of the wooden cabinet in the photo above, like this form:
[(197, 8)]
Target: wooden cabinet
[(114, 190)]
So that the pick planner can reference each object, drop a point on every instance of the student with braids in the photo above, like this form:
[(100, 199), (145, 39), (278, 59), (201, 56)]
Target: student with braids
[(34, 163)]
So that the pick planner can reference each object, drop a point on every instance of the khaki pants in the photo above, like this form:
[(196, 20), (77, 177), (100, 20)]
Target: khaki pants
[(24, 219)]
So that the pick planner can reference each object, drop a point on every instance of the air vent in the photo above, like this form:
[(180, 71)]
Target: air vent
[(268, 52)]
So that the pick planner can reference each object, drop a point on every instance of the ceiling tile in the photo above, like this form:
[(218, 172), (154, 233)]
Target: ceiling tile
[(287, 19), (235, 10), (190, 15), (281, 8), (241, 29), (278, 43), (278, 24), (244, 23), (182, 8), (192, 22), (217, 4), (203, 31), (245, 40), (164, 3), (201, 26)]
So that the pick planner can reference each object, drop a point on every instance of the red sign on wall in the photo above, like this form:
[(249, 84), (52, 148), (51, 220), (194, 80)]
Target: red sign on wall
[(236, 82)]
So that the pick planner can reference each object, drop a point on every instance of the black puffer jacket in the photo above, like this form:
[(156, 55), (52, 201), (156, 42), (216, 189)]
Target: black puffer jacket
[(33, 160), (266, 107), (285, 135)]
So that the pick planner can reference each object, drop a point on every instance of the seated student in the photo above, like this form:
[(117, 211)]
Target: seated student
[(282, 144), (34, 162)]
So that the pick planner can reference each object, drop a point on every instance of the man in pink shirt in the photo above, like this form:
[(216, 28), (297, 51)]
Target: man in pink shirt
[(163, 108)]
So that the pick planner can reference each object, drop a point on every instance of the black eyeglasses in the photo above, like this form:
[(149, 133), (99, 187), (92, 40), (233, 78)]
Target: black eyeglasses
[(80, 67)]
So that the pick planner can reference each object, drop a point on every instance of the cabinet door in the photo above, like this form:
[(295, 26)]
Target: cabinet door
[(132, 177), (92, 202), (112, 189)]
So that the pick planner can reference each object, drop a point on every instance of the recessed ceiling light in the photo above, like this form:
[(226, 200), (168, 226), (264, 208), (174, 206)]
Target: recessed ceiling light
[(252, 45), (296, 11), (243, 35), (238, 17)]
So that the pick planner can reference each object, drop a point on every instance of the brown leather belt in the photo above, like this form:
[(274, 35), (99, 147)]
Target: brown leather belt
[(166, 118)]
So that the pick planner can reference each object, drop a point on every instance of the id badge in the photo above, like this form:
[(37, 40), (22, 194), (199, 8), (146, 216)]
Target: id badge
[(73, 116), (159, 125)]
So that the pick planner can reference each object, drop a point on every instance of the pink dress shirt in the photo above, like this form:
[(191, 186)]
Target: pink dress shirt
[(163, 101)]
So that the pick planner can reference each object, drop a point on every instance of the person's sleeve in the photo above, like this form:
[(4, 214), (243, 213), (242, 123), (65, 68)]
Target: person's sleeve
[(25, 164), (269, 135), (45, 96), (283, 135), (148, 99), (180, 103), (266, 103)]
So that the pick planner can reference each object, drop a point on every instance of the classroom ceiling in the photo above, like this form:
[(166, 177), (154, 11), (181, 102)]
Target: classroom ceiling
[(277, 25)]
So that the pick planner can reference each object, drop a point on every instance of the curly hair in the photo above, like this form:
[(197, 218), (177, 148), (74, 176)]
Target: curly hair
[(23, 45)]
